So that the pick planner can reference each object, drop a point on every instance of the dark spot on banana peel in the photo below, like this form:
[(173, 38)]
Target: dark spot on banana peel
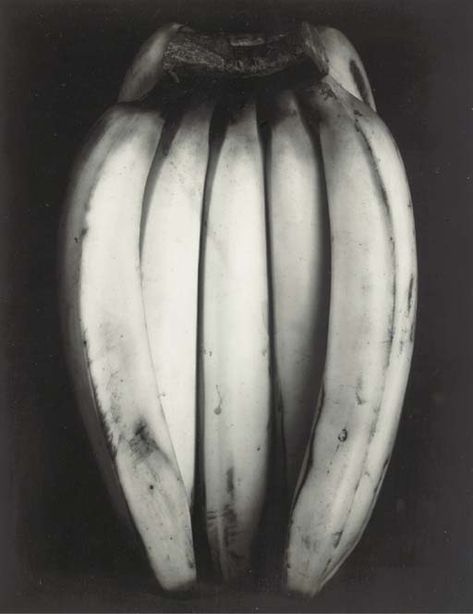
[(230, 525), (79, 238), (308, 543), (321, 397), (226, 517), (359, 81), (336, 537), (105, 426), (109, 437), (230, 482), (327, 92), (327, 566), (359, 391), (219, 408), (211, 515), (410, 293), (343, 435), (142, 444), (373, 427)]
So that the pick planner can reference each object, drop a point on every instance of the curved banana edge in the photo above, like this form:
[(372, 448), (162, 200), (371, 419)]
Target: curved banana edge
[(345, 64), (370, 284), (388, 165), (235, 390), (169, 262), (146, 69), (106, 341)]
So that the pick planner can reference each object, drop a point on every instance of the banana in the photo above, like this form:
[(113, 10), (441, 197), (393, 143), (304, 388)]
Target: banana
[(234, 379), (199, 316), (345, 65), (299, 256), (170, 255), (369, 346), (107, 343), (388, 164), (146, 69)]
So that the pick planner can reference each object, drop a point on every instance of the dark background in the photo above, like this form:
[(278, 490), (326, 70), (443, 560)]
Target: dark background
[(61, 547)]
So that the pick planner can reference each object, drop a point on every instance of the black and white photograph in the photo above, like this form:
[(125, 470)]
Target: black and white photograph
[(236, 278)]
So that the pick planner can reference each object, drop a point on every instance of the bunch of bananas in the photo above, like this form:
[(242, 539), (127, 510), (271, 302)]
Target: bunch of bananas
[(239, 299)]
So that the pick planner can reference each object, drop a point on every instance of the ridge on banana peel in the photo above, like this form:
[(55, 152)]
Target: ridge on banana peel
[(370, 337), (107, 343)]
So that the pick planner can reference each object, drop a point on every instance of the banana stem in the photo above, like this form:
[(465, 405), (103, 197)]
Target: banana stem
[(247, 55)]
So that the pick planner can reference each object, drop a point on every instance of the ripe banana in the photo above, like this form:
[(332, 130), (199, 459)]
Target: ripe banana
[(344, 64), (234, 345), (107, 342), (300, 261), (372, 311), (170, 255)]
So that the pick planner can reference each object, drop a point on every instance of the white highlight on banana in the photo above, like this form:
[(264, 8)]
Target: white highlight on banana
[(300, 261), (362, 337), (235, 352), (108, 343), (170, 257), (345, 65)]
